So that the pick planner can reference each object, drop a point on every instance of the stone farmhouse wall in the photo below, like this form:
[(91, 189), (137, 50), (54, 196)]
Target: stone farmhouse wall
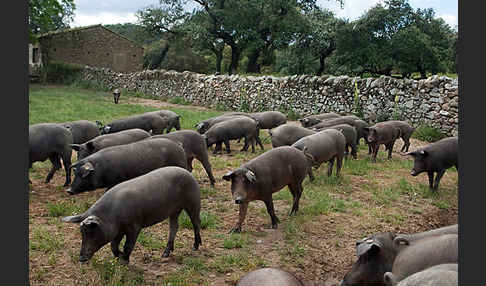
[(432, 101), (95, 46)]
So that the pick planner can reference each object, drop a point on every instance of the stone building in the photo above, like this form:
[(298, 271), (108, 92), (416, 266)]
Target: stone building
[(94, 46)]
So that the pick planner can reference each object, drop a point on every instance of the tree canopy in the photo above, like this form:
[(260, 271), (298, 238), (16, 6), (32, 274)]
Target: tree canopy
[(48, 15), (300, 37)]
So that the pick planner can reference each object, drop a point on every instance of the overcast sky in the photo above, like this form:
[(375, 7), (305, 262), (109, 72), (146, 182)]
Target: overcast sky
[(90, 12)]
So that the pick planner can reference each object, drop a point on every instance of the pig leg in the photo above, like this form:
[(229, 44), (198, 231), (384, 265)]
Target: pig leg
[(390, 149), (247, 144), (339, 163), (253, 140), (205, 162), (271, 212), (296, 190), (196, 225), (375, 151), (218, 148), (259, 142), (369, 146), (227, 146), (189, 164), (115, 244), (354, 151), (330, 165), (66, 161), (241, 217), (437, 178), (431, 179), (311, 174), (56, 165), (131, 238), (173, 227)]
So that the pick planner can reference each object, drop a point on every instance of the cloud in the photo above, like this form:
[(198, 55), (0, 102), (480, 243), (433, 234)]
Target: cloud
[(352, 10), (111, 6), (449, 19), (82, 19)]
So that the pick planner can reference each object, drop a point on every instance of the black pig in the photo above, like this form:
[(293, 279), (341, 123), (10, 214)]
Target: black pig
[(138, 203), (82, 130), (116, 164), (382, 133), (51, 141), (268, 277), (288, 134), (324, 146), (195, 147), (266, 174), (108, 140), (435, 158), (147, 121), (234, 128)]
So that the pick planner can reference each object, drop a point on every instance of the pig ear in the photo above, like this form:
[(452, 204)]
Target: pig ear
[(90, 222), (250, 176), (75, 147), (228, 176), (412, 153), (366, 246), (88, 167), (73, 218), (366, 129)]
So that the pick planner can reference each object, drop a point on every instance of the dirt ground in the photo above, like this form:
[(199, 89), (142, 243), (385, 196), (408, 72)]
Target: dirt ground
[(319, 254)]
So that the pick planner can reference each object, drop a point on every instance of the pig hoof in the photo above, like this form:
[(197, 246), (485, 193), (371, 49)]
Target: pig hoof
[(235, 230), (123, 261), (274, 226), (166, 254)]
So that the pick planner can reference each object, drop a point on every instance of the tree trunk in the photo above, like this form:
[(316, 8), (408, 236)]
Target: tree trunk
[(321, 65), (235, 59), (219, 60), (253, 66)]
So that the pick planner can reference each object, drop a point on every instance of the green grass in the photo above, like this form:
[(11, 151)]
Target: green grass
[(44, 241), (235, 240), (150, 241), (63, 208), (64, 103), (208, 220), (111, 272)]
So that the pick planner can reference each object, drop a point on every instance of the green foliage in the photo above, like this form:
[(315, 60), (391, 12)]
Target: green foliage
[(179, 100), (58, 209), (61, 72), (134, 32), (235, 240), (149, 241), (208, 220), (358, 108), (113, 273), (393, 36), (48, 15), (43, 240), (428, 133)]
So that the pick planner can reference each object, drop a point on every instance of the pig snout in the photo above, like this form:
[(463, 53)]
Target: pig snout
[(70, 191), (239, 200), (414, 173)]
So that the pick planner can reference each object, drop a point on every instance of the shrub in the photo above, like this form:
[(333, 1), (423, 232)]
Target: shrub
[(428, 133), (61, 72)]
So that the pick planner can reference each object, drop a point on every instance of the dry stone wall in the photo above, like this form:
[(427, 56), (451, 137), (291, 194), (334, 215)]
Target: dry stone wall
[(432, 101)]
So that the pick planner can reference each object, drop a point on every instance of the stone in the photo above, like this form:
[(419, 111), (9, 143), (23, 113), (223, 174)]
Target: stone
[(443, 112)]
